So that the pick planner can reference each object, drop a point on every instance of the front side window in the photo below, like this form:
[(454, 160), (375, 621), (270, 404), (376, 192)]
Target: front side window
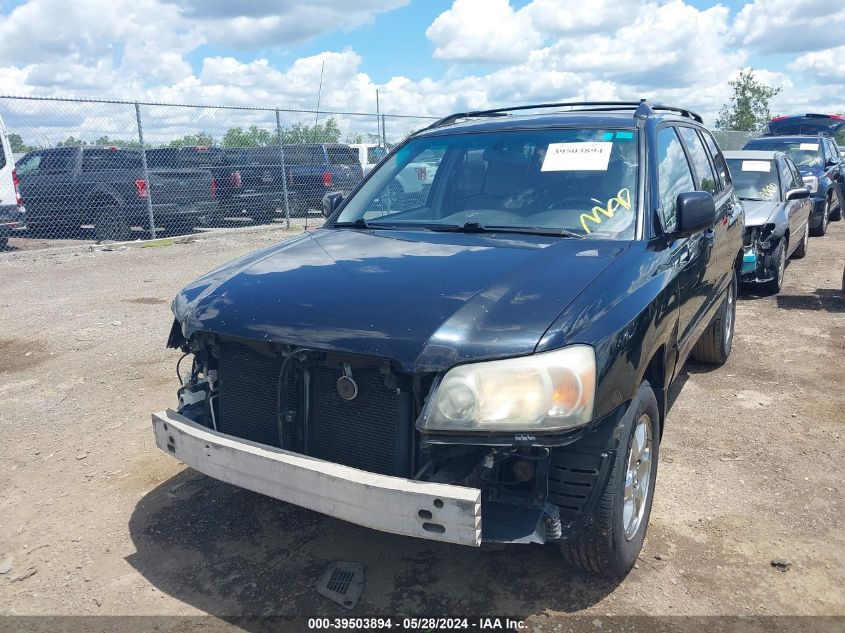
[(674, 175), (581, 181), (755, 179)]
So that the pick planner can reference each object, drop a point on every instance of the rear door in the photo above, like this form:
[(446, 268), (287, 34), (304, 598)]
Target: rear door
[(718, 258), (689, 255), (344, 167)]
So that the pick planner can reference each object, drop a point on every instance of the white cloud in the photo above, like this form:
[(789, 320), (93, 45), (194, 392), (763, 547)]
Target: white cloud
[(826, 66), (789, 26), (483, 31)]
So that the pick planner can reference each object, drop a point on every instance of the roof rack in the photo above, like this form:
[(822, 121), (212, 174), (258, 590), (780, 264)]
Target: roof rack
[(641, 108)]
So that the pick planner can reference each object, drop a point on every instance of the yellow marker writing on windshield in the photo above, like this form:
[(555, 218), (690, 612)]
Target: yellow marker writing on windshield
[(621, 199)]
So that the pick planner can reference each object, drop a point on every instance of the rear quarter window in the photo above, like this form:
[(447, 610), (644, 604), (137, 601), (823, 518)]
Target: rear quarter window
[(305, 155)]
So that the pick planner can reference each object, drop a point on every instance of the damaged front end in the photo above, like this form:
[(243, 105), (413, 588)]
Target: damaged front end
[(760, 259), (359, 421)]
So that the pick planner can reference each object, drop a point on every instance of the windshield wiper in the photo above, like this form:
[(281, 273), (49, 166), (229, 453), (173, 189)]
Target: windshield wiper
[(475, 227)]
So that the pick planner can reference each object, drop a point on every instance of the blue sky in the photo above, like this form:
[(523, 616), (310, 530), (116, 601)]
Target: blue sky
[(425, 57)]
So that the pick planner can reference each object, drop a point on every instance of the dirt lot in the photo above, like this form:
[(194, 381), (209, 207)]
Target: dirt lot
[(95, 520)]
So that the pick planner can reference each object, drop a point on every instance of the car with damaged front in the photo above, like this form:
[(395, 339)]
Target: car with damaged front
[(808, 139), (777, 214), (489, 362)]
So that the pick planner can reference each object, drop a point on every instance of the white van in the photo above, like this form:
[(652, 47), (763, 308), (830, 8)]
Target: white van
[(12, 213)]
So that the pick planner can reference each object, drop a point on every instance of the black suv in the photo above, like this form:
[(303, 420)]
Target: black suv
[(489, 361)]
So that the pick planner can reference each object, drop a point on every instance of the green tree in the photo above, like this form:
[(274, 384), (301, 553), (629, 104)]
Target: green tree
[(17, 144), (369, 137), (253, 136), (202, 139), (70, 141), (116, 142), (840, 135), (748, 108), (325, 132)]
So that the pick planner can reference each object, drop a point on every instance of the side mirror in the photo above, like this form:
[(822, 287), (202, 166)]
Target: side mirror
[(331, 201), (696, 212), (831, 163), (799, 193)]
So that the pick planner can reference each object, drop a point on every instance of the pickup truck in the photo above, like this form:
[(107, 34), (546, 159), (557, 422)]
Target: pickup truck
[(490, 362), (65, 188), (251, 181)]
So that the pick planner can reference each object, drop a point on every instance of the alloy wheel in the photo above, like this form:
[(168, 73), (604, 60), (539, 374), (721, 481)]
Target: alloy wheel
[(637, 478)]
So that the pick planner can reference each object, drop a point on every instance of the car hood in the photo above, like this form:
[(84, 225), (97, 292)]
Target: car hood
[(427, 300), (806, 124), (758, 212)]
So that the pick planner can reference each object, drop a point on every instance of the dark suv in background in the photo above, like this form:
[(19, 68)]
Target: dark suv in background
[(808, 139), (251, 181)]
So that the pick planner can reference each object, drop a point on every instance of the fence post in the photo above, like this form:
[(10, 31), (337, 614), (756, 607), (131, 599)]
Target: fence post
[(145, 172), (383, 133), (284, 172)]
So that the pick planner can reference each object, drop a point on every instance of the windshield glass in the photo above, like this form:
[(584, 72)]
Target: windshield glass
[(577, 180), (803, 153), (754, 179)]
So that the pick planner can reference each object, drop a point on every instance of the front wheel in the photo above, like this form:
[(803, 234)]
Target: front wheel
[(779, 256), (611, 544), (716, 342), (821, 229)]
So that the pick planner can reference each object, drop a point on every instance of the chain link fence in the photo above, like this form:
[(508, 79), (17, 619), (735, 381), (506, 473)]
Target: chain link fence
[(96, 170), (111, 171)]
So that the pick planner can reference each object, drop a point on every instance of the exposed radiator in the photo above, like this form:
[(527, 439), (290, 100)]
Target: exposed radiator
[(371, 432)]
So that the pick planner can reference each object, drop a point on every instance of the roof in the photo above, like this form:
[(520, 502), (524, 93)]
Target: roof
[(602, 114), (751, 154), (613, 120)]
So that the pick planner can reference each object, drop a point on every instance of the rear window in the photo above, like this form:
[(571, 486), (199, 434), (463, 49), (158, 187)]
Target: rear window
[(161, 158), (110, 159), (340, 155), (304, 155)]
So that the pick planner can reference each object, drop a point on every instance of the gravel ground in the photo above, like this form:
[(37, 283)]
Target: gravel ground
[(95, 520)]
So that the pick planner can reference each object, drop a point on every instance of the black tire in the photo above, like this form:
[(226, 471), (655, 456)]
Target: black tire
[(264, 217), (800, 251), (110, 223), (4, 242), (821, 229), (835, 216), (779, 256), (604, 548), (716, 342)]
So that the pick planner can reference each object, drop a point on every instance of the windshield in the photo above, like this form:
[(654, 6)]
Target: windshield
[(754, 179), (803, 153), (580, 181)]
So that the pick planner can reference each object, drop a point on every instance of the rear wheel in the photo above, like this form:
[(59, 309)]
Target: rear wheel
[(715, 344), (110, 223), (800, 251), (4, 242), (611, 544)]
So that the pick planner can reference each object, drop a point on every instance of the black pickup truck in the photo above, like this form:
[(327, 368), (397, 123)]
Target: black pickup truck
[(252, 183), (65, 188), (490, 361)]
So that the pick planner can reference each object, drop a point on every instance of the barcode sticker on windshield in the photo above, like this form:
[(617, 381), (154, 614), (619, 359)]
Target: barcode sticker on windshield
[(577, 157), (756, 165), (813, 147)]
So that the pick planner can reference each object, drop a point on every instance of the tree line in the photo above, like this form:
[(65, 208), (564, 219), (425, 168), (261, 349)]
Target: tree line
[(327, 131)]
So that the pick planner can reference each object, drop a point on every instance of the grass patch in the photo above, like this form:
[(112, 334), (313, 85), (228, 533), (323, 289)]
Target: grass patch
[(157, 244)]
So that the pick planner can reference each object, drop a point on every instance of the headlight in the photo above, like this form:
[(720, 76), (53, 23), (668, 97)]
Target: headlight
[(811, 182), (550, 391)]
